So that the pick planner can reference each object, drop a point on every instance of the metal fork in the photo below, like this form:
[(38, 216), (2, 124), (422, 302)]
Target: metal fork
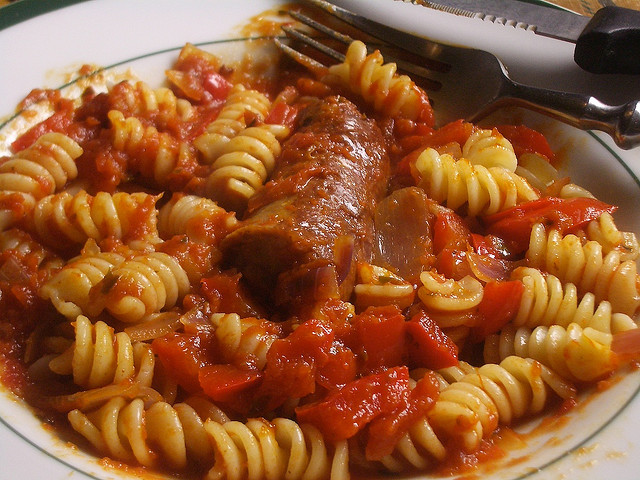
[(469, 83)]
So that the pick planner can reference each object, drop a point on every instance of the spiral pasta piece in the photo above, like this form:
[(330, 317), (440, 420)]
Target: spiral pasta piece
[(575, 353), (160, 434), (153, 154), (140, 286), (69, 288), (63, 218), (379, 286), (489, 149), (377, 83), (546, 301), (35, 172), (244, 164), (201, 219), (231, 120), (449, 295), (472, 403), (245, 340), (42, 168), (259, 449), (457, 182), (100, 357), (517, 386), (608, 277), (160, 104)]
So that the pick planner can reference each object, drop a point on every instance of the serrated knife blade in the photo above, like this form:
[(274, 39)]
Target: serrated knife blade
[(608, 42)]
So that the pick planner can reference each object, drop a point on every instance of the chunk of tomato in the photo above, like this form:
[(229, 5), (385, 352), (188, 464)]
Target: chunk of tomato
[(386, 430), (457, 131), (428, 345), (292, 363), (526, 140), (380, 333), (183, 355), (216, 85), (499, 305), (346, 411), (565, 214), (58, 122), (224, 383), (283, 114), (450, 231), (453, 263)]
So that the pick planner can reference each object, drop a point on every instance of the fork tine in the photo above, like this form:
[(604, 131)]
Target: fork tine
[(312, 42), (316, 67), (306, 61), (341, 37)]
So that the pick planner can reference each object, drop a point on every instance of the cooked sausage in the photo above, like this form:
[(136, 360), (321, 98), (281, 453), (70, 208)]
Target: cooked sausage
[(314, 220)]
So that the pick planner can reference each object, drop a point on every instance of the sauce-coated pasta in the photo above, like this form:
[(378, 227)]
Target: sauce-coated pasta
[(299, 277)]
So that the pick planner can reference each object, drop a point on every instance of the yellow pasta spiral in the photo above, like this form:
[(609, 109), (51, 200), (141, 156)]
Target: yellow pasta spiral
[(546, 301), (161, 434), (244, 164), (156, 154), (42, 168), (587, 266), (471, 404), (575, 353), (69, 288), (457, 182), (63, 218), (200, 218), (377, 82), (244, 339), (139, 287), (449, 295), (100, 357), (161, 104), (39, 170), (273, 450), (379, 286), (605, 231), (231, 120), (489, 149)]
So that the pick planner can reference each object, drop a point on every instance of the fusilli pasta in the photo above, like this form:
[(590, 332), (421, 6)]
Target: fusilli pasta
[(140, 286), (458, 182), (231, 120), (154, 155), (575, 353), (244, 164), (69, 289), (586, 266), (547, 302), (63, 218), (201, 219), (367, 75), (100, 357)]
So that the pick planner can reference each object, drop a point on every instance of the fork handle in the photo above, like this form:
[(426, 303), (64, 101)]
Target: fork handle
[(621, 122)]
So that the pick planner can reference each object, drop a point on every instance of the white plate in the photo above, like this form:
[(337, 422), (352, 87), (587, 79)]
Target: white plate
[(599, 439)]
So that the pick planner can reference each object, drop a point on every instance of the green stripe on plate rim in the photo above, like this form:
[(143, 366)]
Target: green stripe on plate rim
[(22, 10)]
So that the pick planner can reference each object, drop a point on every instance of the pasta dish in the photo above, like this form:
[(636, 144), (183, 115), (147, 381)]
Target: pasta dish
[(299, 276)]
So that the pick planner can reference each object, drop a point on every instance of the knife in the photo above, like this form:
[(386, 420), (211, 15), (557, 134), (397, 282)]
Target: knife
[(608, 42)]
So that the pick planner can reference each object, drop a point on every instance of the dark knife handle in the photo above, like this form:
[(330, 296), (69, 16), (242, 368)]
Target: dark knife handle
[(610, 43)]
